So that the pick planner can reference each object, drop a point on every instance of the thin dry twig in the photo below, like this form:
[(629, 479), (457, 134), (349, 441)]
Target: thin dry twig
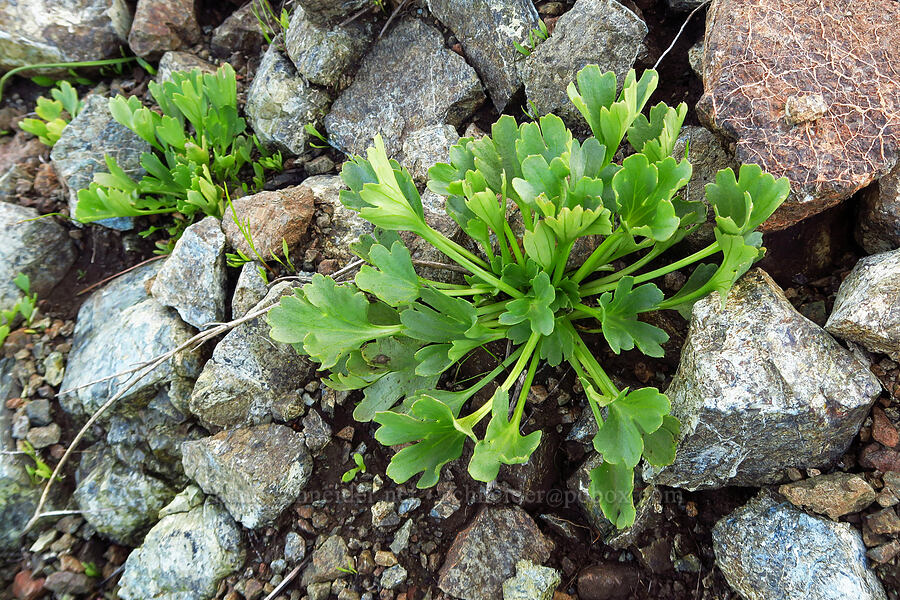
[(678, 35), (391, 18), (288, 578)]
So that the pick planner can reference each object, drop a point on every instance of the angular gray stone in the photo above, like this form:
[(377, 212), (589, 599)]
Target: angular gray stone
[(42, 31), (324, 11), (44, 437), (328, 559), (485, 553), (119, 500), (239, 32), (393, 577), (18, 496), (772, 551), (532, 582), (294, 547), (251, 379), (192, 280), (878, 223), (601, 32), (118, 327), (38, 248), (249, 290), (866, 308), (184, 556), (487, 30), (424, 148), (81, 148), (256, 472), (324, 53), (759, 389), (280, 103), (409, 80), (175, 60)]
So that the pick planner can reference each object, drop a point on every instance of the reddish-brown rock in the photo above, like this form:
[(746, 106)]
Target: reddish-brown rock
[(876, 456), (883, 430), (270, 216), (607, 581), (162, 25), (833, 66), (25, 587)]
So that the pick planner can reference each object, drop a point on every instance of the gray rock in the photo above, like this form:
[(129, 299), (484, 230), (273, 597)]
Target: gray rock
[(40, 249), (485, 553), (184, 556), (346, 225), (409, 80), (324, 11), (18, 496), (294, 547), (384, 515), (280, 103), (249, 290), (119, 500), (251, 379), (118, 327), (770, 551), (424, 148), (319, 591), (192, 279), (695, 59), (257, 471), (152, 439), (44, 437), (532, 582), (175, 60), (685, 5), (393, 577), (878, 223), (81, 148), (42, 31), (601, 32), (239, 32), (401, 538), (38, 411), (187, 500), (866, 309), (323, 53), (316, 432), (487, 30), (54, 368), (328, 559), (163, 25), (760, 389)]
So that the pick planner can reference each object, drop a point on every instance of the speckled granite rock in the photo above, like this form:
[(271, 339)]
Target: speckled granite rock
[(759, 389), (162, 25), (280, 103), (239, 32), (532, 582), (770, 550), (39, 248), (424, 148), (257, 472), (485, 553), (328, 560), (250, 379), (330, 11), (759, 56), (175, 60), (249, 290), (192, 280), (878, 223), (407, 81), (324, 53), (867, 305), (85, 141), (184, 556), (118, 327), (119, 500), (487, 30), (601, 32), (41, 31)]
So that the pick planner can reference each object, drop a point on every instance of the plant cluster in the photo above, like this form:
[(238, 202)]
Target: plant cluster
[(41, 471), (26, 307), (199, 148), (271, 25), (53, 115), (393, 334)]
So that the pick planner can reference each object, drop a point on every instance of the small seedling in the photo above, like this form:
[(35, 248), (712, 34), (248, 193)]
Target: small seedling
[(41, 471), (535, 37), (26, 307), (350, 569), (359, 468), (90, 569), (53, 115)]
